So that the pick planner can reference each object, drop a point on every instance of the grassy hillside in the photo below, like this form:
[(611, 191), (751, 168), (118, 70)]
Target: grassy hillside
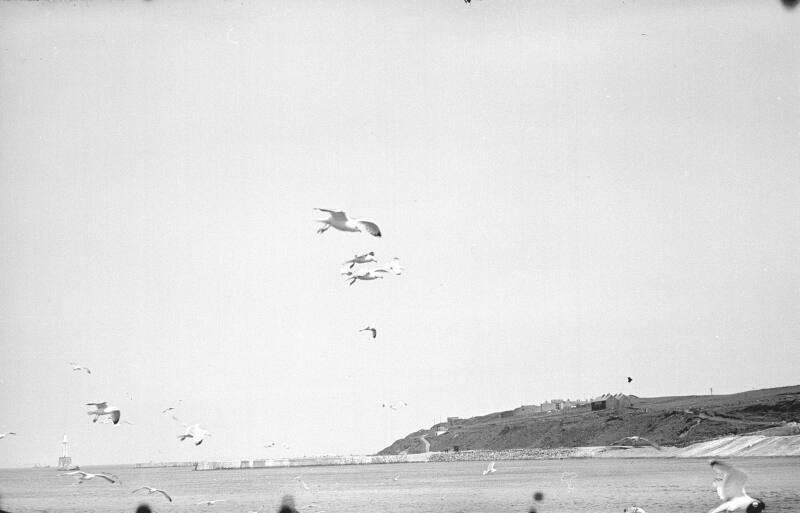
[(674, 420)]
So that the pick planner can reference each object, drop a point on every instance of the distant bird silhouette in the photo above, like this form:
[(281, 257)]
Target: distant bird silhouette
[(731, 490), (77, 367), (373, 330), (340, 221), (490, 469), (210, 503), (630, 379), (633, 509)]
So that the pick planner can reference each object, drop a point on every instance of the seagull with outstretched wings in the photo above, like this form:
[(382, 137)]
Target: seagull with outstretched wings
[(103, 408), (87, 476), (151, 490), (340, 221)]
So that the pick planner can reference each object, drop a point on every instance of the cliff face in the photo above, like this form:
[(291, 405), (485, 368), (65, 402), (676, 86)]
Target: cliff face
[(674, 421)]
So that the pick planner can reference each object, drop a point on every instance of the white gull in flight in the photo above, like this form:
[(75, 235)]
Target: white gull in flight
[(195, 432), (104, 409), (490, 469), (86, 476), (3, 435), (151, 490), (340, 221)]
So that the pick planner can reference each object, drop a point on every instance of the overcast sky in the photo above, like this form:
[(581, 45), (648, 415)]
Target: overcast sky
[(579, 192)]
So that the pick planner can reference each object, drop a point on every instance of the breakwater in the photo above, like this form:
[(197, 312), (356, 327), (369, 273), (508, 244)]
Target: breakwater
[(314, 461)]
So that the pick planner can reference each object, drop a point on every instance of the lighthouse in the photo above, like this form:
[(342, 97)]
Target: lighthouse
[(65, 461)]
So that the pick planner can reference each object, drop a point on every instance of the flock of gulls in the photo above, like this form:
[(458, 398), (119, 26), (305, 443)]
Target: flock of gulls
[(729, 482)]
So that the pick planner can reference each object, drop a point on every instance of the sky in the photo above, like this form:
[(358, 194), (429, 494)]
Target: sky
[(578, 191)]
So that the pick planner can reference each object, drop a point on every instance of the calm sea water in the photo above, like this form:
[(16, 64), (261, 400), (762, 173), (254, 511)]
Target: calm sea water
[(585, 485)]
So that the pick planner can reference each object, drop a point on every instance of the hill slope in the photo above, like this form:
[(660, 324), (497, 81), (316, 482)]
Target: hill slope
[(675, 420)]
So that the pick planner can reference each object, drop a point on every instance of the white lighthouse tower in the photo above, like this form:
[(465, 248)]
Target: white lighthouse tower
[(65, 461)]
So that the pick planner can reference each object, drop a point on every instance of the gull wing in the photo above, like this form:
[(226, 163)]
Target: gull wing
[(115, 416), (336, 215), (111, 478), (149, 490), (370, 228), (733, 481), (100, 406), (165, 494)]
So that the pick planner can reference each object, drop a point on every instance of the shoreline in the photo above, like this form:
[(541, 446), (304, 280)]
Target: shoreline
[(744, 446)]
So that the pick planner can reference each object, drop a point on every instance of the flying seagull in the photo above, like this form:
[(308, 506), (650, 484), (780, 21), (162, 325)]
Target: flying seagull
[(77, 367), (86, 476), (362, 259), (633, 509), (490, 469), (636, 439), (211, 503), (731, 490), (270, 446), (630, 379), (3, 435), (195, 432), (340, 221), (367, 276), (104, 409), (151, 490), (395, 406), (373, 330)]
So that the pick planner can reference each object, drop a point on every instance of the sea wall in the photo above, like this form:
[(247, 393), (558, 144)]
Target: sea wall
[(314, 461)]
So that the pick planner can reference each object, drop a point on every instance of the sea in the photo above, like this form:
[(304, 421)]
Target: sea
[(657, 485)]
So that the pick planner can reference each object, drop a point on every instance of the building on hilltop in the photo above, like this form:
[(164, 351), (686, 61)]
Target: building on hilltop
[(611, 402), (546, 407)]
